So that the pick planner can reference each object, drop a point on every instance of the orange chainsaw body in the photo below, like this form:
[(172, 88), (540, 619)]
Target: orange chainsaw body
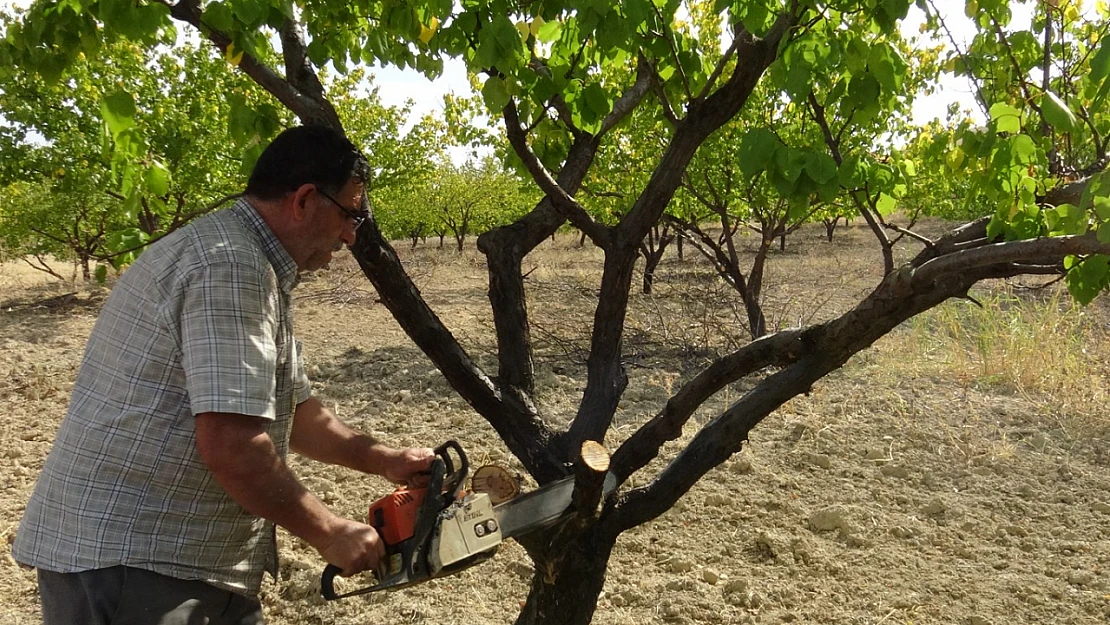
[(394, 516)]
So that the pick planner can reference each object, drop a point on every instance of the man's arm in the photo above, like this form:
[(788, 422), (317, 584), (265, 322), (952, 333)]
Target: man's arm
[(319, 435), (245, 462)]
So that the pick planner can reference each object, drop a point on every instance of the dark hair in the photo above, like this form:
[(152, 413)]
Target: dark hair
[(306, 155)]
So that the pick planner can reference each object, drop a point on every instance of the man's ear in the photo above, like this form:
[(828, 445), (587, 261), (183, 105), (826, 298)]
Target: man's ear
[(299, 200)]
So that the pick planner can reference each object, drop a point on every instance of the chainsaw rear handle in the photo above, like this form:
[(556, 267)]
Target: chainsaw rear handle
[(444, 479)]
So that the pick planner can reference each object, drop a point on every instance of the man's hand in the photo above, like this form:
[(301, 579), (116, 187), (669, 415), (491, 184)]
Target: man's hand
[(408, 466), (353, 547)]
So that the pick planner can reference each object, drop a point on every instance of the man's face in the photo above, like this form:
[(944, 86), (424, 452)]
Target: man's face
[(333, 225)]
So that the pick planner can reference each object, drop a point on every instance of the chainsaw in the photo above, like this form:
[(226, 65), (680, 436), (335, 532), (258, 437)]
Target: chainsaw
[(440, 529)]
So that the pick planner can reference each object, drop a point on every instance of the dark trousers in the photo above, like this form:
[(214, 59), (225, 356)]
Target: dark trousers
[(123, 595)]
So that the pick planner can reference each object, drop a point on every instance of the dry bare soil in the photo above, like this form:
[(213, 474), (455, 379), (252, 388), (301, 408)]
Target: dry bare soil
[(926, 482)]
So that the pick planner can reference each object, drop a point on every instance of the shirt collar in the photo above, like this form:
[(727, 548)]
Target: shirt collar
[(282, 262)]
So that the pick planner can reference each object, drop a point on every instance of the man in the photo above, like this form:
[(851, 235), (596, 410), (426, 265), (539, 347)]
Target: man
[(158, 501)]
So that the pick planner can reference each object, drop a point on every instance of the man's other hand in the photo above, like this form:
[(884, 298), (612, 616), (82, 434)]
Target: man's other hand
[(353, 547)]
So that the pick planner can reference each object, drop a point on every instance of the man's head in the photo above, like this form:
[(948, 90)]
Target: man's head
[(310, 186)]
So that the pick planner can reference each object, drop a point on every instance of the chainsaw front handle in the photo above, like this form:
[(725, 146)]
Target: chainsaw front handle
[(453, 480)]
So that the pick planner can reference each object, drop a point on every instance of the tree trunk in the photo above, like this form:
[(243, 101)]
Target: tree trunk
[(565, 591), (756, 321), (679, 244), (830, 226), (651, 263), (459, 242)]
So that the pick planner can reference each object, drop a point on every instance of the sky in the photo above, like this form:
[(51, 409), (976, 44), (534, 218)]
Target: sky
[(397, 86), (952, 89)]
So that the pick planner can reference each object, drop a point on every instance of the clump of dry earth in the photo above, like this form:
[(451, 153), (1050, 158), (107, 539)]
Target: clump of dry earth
[(884, 496)]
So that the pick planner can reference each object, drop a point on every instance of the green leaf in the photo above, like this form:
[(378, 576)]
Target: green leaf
[(789, 163), (218, 15), (1100, 62), (131, 205), (1097, 186), (495, 94), (1099, 78), (1102, 208), (1103, 233), (499, 44), (909, 168), (1057, 113), (864, 93), (101, 274), (250, 157), (1023, 149), (820, 167), (118, 110), (799, 81), (1006, 118), (885, 204), (756, 17), (157, 179), (1066, 219), (887, 66), (1088, 278), (597, 99), (240, 121), (250, 12), (757, 149), (852, 173), (549, 31)]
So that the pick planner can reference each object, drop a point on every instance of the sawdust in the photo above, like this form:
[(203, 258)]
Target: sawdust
[(875, 499)]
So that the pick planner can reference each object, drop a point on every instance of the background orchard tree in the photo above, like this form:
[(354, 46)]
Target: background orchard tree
[(402, 212), (549, 70), (399, 154), (470, 199), (104, 189)]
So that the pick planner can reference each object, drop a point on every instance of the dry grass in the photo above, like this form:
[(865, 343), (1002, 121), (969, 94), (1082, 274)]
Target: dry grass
[(1037, 345)]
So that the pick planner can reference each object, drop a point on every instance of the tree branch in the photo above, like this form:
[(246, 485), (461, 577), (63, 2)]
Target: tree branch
[(563, 202), (979, 97), (310, 107), (643, 446), (1031, 251)]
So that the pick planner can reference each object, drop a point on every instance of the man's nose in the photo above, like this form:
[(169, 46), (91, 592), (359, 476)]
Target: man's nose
[(349, 233)]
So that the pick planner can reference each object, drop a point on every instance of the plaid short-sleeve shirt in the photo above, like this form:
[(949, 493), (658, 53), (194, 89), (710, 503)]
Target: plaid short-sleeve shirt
[(200, 323)]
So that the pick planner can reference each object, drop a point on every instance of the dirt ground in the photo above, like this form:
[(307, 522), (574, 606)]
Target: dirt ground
[(896, 492)]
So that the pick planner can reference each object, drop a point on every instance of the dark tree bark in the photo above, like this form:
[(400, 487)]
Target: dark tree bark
[(565, 587), (652, 249), (830, 227)]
